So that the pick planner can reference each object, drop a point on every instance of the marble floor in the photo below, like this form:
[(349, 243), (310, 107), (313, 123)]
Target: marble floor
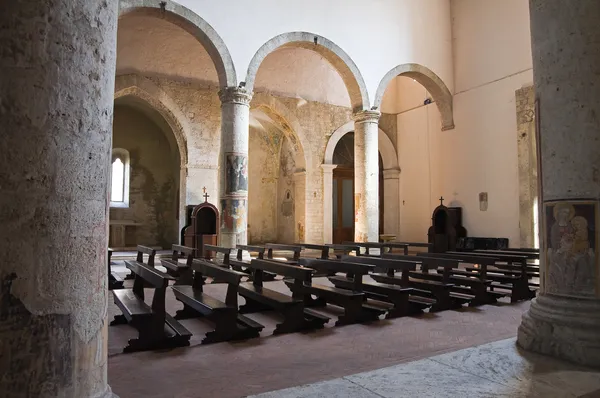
[(498, 369)]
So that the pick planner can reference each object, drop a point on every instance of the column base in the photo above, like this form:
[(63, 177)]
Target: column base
[(108, 393), (566, 328)]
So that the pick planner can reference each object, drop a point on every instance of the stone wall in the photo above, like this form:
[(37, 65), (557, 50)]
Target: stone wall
[(304, 128), (154, 179)]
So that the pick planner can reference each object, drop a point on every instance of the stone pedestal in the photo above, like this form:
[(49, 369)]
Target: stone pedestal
[(564, 320), (366, 176), (57, 72), (233, 165)]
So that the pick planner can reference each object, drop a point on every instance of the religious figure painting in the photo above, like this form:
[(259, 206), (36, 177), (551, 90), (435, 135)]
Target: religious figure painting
[(571, 265), (237, 173), (233, 213)]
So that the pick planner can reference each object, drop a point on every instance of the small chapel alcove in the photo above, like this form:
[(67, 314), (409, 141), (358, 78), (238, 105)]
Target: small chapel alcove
[(145, 178)]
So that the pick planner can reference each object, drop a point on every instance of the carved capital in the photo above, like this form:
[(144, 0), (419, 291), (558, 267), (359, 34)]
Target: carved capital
[(235, 95), (367, 116)]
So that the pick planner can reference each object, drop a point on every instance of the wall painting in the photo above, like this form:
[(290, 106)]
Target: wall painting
[(571, 245), (237, 173)]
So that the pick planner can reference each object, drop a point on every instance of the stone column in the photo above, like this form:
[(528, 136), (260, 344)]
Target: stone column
[(57, 75), (328, 202), (233, 167), (391, 202), (366, 176), (300, 207), (564, 320)]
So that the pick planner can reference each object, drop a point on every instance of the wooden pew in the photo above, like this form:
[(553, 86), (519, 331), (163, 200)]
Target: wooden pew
[(156, 328), (398, 245), (296, 250), (353, 301), (423, 288), (368, 246), (229, 324), (225, 251), (516, 285), (239, 264), (259, 298), (473, 288), (343, 250), (115, 281), (429, 246), (181, 271), (322, 248), (396, 296), (141, 250), (384, 276)]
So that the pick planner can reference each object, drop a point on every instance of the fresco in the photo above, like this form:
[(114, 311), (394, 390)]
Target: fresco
[(237, 173), (233, 215), (571, 264)]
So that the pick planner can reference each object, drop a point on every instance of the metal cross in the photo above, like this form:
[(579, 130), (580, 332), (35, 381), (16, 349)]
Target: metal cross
[(205, 194)]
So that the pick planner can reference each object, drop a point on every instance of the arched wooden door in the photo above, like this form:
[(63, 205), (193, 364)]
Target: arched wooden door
[(343, 191)]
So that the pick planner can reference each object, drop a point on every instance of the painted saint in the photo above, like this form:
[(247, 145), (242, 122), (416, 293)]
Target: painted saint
[(570, 256)]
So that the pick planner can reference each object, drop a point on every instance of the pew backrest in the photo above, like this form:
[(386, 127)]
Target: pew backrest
[(151, 275), (225, 251), (249, 248), (141, 250), (344, 266), (206, 268), (324, 249), (346, 249), (384, 263), (291, 248), (279, 268), (188, 252)]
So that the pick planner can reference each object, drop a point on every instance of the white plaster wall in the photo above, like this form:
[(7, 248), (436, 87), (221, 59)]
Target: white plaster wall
[(491, 40), (377, 35), (403, 94), (492, 60)]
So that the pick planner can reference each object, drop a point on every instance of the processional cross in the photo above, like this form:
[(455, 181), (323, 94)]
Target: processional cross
[(205, 194)]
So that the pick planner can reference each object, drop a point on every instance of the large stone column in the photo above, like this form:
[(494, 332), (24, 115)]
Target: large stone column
[(328, 202), (57, 72), (233, 167), (564, 320), (366, 176)]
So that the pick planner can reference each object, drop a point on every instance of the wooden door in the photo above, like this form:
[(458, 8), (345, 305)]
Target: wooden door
[(343, 205)]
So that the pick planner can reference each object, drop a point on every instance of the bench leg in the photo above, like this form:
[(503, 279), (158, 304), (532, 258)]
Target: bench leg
[(186, 278), (253, 306), (355, 313), (521, 291), (293, 320), (187, 313), (401, 308), (118, 320)]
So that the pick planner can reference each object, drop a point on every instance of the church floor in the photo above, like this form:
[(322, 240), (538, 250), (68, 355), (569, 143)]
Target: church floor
[(276, 362), (498, 369)]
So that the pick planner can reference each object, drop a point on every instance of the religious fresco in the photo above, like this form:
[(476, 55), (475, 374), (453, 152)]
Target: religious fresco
[(233, 215), (571, 263), (237, 173)]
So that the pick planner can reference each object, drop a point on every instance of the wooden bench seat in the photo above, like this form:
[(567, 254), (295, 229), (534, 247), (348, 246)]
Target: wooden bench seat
[(439, 290), (181, 271), (229, 324), (353, 301), (156, 329), (259, 298)]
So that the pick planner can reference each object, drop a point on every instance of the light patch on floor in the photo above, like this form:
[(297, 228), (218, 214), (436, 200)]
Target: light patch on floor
[(498, 369)]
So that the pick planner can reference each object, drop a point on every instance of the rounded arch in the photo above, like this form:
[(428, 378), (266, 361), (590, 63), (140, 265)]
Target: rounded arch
[(288, 122), (145, 90), (340, 60), (386, 147), (194, 25), (432, 83)]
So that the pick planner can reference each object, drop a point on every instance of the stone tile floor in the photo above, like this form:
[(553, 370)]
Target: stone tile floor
[(498, 369)]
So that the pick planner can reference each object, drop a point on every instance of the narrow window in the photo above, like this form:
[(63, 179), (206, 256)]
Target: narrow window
[(119, 187)]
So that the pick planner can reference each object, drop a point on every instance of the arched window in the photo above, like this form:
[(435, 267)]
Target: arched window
[(119, 184)]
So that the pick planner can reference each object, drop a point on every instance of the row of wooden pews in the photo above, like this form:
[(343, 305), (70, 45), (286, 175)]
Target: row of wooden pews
[(363, 285)]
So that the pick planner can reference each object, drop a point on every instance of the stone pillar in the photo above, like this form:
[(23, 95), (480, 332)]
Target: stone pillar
[(233, 167), (328, 202), (57, 74), (300, 206), (564, 320), (391, 202), (366, 176)]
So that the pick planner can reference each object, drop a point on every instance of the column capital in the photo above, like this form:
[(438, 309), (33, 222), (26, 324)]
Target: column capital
[(235, 95), (328, 168), (366, 116), (390, 174)]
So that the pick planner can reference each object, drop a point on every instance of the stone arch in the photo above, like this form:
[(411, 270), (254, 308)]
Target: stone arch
[(340, 60), (194, 25), (386, 147), (391, 176), (432, 83), (145, 90), (289, 123)]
